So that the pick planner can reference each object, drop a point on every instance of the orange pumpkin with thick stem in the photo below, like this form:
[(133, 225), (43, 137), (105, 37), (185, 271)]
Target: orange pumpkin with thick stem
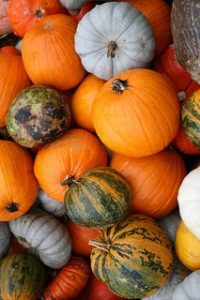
[(154, 181), (136, 113), (82, 101), (49, 55), (67, 158), (13, 78), (158, 13), (24, 13), (18, 186)]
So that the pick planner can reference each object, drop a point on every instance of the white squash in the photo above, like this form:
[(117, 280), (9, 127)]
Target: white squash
[(4, 238), (170, 224), (73, 4), (189, 288), (114, 37), (189, 201), (50, 205), (45, 235)]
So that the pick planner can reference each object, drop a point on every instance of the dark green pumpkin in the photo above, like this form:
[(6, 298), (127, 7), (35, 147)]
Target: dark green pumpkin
[(134, 258), (100, 198), (22, 277)]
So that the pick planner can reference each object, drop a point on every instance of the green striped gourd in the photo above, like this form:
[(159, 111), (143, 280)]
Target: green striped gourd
[(100, 198), (134, 258)]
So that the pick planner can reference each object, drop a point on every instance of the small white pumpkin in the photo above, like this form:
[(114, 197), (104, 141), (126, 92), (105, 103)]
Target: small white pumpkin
[(73, 4), (189, 201), (189, 288), (50, 205), (114, 37), (170, 224), (45, 235), (4, 238)]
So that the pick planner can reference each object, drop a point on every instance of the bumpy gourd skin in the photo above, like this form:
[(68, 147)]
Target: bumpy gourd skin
[(37, 115)]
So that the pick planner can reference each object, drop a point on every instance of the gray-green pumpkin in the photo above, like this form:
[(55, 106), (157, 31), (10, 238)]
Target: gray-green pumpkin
[(37, 115)]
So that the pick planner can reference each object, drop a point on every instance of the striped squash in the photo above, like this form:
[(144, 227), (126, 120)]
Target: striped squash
[(134, 258), (100, 198), (22, 277), (190, 116)]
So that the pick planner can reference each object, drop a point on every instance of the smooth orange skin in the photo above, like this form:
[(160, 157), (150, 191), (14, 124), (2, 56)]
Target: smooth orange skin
[(49, 55), (154, 181)]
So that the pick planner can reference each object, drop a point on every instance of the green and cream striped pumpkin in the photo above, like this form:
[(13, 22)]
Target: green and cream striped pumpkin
[(100, 198), (134, 258)]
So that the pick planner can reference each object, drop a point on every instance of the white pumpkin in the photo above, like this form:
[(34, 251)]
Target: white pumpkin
[(73, 4), (170, 224), (189, 201), (4, 238), (114, 37), (189, 288), (50, 205), (45, 235)]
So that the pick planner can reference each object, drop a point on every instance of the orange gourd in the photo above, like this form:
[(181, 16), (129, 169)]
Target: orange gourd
[(158, 13), (136, 113), (18, 186), (82, 101), (49, 55), (13, 78), (154, 181), (70, 156), (24, 13)]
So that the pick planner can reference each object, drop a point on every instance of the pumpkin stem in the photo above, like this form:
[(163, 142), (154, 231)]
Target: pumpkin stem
[(100, 245), (69, 180), (12, 207), (23, 242), (112, 46), (38, 13), (74, 11), (119, 85)]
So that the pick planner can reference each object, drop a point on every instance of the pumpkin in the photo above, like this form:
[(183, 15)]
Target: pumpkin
[(13, 79), (22, 277), (189, 201), (9, 49), (188, 289), (37, 115), (154, 180), (69, 281), (83, 99), (70, 156), (141, 99), (158, 13), (22, 15), (5, 26), (170, 224), (18, 188), (48, 53), (109, 43), (50, 205), (73, 4), (100, 198), (44, 236), (4, 238), (187, 247), (133, 258), (80, 237), (185, 32)]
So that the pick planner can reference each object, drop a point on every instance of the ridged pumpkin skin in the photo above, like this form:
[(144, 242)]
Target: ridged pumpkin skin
[(18, 186), (154, 181), (48, 53), (21, 277), (72, 155), (136, 113), (133, 258), (100, 198)]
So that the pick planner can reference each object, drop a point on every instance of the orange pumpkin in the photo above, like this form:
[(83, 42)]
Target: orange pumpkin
[(81, 236), (9, 49), (24, 13), (48, 53), (13, 79), (136, 113), (5, 26), (82, 101), (67, 158), (154, 181), (18, 186), (158, 13)]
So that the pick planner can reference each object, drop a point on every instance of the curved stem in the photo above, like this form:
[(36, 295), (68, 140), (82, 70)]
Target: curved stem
[(100, 245), (119, 85), (69, 180)]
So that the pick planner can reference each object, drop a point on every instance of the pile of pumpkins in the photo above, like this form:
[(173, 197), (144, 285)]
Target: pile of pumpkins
[(99, 150)]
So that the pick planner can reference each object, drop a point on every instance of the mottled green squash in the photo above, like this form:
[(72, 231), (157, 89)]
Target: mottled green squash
[(22, 277), (134, 258), (100, 198)]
